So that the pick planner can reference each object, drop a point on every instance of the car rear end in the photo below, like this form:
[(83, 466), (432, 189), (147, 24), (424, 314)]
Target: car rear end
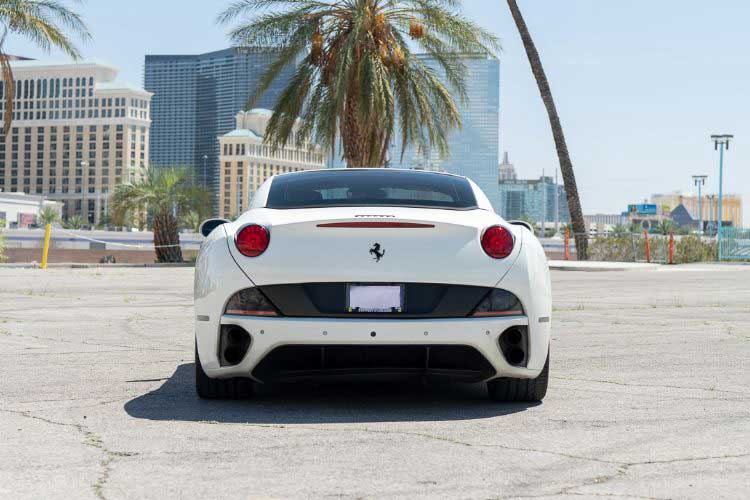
[(342, 290)]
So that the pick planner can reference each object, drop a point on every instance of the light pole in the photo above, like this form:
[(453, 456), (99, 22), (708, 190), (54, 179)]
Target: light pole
[(557, 206), (205, 168), (711, 200), (85, 190), (721, 142), (700, 181), (544, 205)]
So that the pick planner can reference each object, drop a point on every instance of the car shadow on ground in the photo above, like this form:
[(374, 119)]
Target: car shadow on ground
[(175, 399)]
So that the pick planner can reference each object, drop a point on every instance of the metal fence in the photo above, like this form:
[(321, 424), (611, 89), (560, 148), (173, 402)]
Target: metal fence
[(654, 248), (735, 243)]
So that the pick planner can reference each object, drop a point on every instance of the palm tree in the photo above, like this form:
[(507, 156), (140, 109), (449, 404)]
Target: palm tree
[(44, 22), (665, 227), (358, 80), (164, 193), (566, 166), (74, 222), (192, 221), (48, 215), (619, 230)]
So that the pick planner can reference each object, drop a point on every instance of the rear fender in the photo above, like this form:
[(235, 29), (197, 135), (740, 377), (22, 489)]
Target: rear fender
[(217, 277), (529, 280)]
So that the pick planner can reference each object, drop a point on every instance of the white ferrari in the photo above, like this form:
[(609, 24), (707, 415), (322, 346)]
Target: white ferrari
[(351, 273)]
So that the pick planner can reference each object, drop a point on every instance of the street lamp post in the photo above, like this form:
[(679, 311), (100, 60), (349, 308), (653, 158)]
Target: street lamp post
[(205, 168), (85, 190), (711, 200), (700, 181), (721, 142), (544, 206)]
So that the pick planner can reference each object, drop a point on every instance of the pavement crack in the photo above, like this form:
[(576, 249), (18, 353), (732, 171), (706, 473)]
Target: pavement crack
[(437, 438), (91, 440), (662, 386)]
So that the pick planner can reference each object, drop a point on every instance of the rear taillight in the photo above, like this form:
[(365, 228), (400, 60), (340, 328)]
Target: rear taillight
[(497, 242), (499, 303), (250, 302), (252, 240)]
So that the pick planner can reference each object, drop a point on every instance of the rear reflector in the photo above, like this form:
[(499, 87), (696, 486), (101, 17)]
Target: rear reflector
[(405, 225), (498, 303), (250, 302)]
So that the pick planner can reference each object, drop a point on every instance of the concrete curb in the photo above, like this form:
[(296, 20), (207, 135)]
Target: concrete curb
[(74, 265), (587, 266)]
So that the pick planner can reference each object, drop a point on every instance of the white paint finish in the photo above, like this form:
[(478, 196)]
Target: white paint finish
[(301, 252), (309, 331)]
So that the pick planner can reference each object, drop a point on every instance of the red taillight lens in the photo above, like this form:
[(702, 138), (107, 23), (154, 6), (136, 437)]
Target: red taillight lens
[(252, 240), (497, 242)]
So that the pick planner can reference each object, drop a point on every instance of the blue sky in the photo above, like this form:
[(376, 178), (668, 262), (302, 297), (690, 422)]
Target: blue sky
[(639, 84)]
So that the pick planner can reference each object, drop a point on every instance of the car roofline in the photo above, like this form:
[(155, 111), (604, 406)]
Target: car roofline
[(340, 169)]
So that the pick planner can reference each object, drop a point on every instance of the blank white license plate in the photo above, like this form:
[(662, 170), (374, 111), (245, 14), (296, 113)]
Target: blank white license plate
[(375, 298)]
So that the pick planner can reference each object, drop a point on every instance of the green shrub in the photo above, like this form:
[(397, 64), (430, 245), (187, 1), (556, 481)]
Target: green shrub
[(692, 249), (2, 247), (614, 249), (632, 248)]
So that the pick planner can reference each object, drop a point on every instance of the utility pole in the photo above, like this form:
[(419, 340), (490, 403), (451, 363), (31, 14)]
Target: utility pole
[(700, 181), (721, 142)]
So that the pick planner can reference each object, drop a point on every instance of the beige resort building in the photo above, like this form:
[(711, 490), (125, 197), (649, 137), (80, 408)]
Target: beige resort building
[(245, 162), (731, 207), (77, 133)]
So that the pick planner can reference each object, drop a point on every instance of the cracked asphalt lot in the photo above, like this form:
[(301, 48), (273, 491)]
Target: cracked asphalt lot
[(649, 398)]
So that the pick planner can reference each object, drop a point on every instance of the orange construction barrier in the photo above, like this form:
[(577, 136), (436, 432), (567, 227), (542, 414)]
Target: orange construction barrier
[(648, 247), (567, 243), (671, 247)]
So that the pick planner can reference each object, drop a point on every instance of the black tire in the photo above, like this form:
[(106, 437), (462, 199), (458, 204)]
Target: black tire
[(220, 388), (520, 390)]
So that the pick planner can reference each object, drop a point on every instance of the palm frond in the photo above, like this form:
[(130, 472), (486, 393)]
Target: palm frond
[(357, 79)]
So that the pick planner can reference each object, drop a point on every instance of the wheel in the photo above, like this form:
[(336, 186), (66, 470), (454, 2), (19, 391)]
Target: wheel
[(220, 388), (520, 389)]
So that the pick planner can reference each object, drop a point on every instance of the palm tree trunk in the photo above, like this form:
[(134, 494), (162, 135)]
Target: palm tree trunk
[(566, 166), (365, 144), (167, 238)]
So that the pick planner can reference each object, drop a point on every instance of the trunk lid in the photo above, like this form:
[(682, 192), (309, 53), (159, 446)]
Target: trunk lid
[(374, 245)]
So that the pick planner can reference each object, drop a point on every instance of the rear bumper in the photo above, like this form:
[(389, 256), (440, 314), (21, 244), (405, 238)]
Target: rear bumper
[(480, 334)]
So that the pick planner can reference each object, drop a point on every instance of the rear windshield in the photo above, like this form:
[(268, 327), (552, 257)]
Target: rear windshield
[(338, 188)]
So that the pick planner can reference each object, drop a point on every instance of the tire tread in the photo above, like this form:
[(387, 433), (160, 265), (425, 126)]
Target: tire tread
[(518, 389), (214, 388)]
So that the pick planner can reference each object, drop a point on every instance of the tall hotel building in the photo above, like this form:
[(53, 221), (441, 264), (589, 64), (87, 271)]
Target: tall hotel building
[(246, 162), (76, 134), (475, 148), (196, 98)]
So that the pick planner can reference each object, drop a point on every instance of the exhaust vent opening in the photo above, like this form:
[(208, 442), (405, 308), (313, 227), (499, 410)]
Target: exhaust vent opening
[(514, 344), (233, 345)]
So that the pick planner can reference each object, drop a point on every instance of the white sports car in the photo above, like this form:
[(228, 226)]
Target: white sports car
[(371, 272)]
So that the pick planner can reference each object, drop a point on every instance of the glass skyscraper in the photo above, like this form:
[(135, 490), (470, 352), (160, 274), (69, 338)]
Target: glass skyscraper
[(533, 199), (475, 148), (196, 99)]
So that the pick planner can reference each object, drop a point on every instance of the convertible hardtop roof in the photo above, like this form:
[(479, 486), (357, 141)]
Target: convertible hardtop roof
[(369, 187), (369, 169)]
